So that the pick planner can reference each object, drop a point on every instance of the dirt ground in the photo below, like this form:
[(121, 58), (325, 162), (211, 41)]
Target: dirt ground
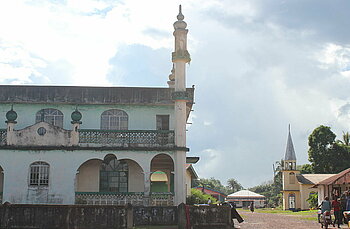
[(275, 221)]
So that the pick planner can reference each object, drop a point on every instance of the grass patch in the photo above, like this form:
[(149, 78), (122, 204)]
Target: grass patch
[(305, 215), (156, 227)]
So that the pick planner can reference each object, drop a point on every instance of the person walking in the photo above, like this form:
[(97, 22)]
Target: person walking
[(336, 205), (251, 206)]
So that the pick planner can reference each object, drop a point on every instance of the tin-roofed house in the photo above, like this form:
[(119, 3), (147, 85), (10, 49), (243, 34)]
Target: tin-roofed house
[(97, 145), (243, 198)]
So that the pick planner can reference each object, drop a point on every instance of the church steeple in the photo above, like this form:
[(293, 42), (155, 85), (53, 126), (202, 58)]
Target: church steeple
[(289, 157)]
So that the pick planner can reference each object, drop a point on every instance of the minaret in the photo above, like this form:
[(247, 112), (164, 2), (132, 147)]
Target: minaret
[(180, 57)]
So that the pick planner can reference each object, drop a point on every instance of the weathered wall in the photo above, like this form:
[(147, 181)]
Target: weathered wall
[(140, 117), (155, 215), (108, 217), (210, 216), (62, 217)]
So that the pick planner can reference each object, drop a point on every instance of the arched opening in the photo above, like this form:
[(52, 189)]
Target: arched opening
[(162, 166), (291, 178), (110, 175), (291, 201), (88, 176)]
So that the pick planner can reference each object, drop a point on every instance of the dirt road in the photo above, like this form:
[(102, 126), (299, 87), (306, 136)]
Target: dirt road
[(275, 221)]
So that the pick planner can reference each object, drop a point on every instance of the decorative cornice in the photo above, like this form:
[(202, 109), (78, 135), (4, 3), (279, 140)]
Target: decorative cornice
[(181, 55), (181, 95)]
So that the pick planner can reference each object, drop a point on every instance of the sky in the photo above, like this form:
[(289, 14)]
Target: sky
[(257, 67)]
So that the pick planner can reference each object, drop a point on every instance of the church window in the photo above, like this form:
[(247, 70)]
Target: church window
[(291, 200), (50, 115), (39, 174), (114, 119), (291, 178), (114, 176)]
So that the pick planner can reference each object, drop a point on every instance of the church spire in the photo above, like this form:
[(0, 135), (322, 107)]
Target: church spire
[(290, 153)]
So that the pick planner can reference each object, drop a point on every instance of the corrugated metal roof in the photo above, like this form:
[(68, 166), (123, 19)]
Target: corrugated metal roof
[(312, 178), (244, 193), (340, 178)]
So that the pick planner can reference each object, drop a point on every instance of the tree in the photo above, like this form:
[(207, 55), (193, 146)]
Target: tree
[(198, 197), (211, 183), (313, 200), (321, 142), (233, 186), (325, 153), (305, 169)]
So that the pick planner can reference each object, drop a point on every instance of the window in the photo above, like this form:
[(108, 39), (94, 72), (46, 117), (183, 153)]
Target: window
[(291, 200), (291, 178), (39, 174), (162, 122), (114, 176), (50, 115), (114, 120)]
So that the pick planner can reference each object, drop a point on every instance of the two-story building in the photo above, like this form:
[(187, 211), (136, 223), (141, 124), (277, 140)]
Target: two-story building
[(97, 145)]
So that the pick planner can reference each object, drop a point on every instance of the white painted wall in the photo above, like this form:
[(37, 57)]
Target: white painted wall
[(63, 169)]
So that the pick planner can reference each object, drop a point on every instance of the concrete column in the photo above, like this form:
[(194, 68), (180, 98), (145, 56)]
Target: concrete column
[(75, 134), (180, 186), (10, 138), (147, 183)]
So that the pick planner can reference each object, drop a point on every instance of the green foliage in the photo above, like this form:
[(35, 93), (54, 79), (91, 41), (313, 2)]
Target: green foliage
[(313, 200), (271, 190), (198, 197), (305, 169), (325, 153), (233, 186)]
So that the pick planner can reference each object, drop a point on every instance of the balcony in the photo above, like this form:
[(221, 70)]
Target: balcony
[(136, 199), (127, 138), (3, 134)]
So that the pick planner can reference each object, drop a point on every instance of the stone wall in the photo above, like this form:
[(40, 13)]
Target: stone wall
[(108, 217), (62, 217)]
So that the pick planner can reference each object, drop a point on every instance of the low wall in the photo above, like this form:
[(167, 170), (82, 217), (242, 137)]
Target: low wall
[(209, 216), (111, 216), (62, 217), (155, 215)]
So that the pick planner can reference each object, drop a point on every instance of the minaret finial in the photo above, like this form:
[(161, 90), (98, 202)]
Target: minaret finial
[(180, 16), (289, 128)]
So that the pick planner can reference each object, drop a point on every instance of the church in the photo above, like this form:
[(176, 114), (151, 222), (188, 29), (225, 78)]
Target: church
[(98, 145), (296, 187)]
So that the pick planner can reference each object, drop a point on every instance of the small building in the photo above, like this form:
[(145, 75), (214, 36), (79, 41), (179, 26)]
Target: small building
[(220, 196), (243, 198)]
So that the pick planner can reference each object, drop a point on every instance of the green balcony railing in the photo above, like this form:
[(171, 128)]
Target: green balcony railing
[(3, 134), (127, 138), (134, 198)]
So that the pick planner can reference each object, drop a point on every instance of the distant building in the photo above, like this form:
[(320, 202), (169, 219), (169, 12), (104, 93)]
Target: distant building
[(244, 198), (297, 187), (220, 196)]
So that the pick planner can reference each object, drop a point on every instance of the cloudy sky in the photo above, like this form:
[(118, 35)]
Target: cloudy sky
[(257, 66)]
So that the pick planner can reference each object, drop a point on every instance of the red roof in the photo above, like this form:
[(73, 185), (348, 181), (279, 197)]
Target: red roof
[(340, 178)]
